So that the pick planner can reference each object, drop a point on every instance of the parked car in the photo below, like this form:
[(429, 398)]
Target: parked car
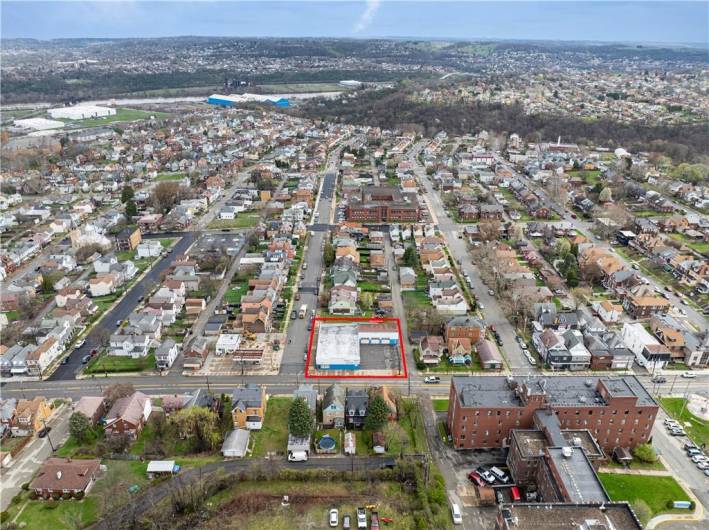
[(485, 474), (431, 379), (659, 379), (293, 314), (455, 513), (499, 474), (65, 360), (346, 522), (361, 518), (491, 292), (85, 359), (691, 451), (476, 479), (80, 344), (374, 521), (334, 518), (43, 432)]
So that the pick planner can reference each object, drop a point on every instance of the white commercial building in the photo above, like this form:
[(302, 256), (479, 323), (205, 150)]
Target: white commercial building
[(81, 112), (337, 347), (228, 343), (648, 351), (38, 124)]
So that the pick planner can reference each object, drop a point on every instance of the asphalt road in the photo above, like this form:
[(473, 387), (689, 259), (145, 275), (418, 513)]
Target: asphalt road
[(120, 312)]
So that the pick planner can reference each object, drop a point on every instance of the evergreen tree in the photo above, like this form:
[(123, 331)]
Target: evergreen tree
[(300, 419), (377, 414)]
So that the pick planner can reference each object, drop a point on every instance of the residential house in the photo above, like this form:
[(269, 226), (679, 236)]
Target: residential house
[(460, 351), (309, 394), (489, 355), (607, 311), (407, 278), (61, 476), (431, 349), (127, 239), (128, 415), (464, 326), (103, 285), (196, 354), (648, 352), (640, 307), (93, 407), (356, 402), (165, 354), (248, 406), (30, 416), (333, 407)]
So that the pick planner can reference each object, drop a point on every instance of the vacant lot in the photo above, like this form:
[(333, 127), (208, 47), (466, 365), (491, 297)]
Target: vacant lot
[(655, 492), (114, 364), (243, 220), (273, 437), (697, 429), (257, 505)]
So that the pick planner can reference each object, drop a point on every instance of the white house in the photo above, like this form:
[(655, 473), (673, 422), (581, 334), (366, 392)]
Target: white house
[(149, 248), (103, 264), (228, 343), (103, 285), (166, 354), (134, 346), (647, 349), (607, 311)]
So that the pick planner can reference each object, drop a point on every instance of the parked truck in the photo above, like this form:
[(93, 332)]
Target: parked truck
[(303, 311)]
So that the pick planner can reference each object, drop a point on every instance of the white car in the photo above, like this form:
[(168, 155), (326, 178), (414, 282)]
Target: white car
[(689, 375), (334, 518), (455, 512), (432, 379), (703, 465)]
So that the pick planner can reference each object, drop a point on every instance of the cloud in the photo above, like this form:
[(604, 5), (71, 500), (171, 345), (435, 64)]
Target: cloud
[(366, 18)]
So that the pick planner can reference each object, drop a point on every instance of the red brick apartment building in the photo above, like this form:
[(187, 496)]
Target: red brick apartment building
[(382, 204), (616, 410)]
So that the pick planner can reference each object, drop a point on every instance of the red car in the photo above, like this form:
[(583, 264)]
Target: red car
[(476, 479)]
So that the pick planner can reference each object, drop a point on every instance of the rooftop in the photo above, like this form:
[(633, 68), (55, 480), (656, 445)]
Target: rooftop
[(570, 516), (576, 474), (570, 390)]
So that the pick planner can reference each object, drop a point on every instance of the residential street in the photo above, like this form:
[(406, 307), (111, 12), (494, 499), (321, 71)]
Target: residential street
[(492, 313), (32, 455)]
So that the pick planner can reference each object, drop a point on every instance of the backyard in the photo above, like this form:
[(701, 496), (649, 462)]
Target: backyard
[(653, 491), (697, 429), (273, 436)]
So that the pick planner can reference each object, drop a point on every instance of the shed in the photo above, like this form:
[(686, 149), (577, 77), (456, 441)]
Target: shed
[(236, 444), (162, 467), (350, 443), (378, 443)]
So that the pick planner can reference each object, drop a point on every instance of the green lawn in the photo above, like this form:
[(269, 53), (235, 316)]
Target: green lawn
[(125, 255), (243, 220), (12, 315), (73, 448), (166, 242), (235, 292), (104, 302), (171, 176), (416, 298), (652, 490), (273, 436), (440, 405), (699, 246), (113, 363), (446, 366), (122, 114), (373, 287), (697, 429)]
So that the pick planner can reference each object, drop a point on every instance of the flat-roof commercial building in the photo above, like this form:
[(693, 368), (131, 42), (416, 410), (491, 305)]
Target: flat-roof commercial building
[(617, 411), (338, 344), (567, 516), (382, 204)]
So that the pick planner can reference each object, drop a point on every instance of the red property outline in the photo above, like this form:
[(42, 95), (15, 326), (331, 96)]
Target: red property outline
[(308, 375)]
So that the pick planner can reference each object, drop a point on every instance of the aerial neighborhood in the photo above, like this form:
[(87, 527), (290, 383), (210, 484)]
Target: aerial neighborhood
[(257, 306)]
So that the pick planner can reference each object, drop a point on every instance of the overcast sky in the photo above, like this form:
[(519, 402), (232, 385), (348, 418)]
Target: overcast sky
[(667, 22)]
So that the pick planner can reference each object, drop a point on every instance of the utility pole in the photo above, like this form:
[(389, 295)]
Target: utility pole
[(49, 438)]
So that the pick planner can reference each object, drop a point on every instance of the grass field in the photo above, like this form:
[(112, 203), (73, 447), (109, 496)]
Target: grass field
[(273, 437), (122, 114), (243, 220), (440, 405), (170, 176), (300, 87), (653, 491), (699, 246), (697, 429), (113, 364), (235, 292)]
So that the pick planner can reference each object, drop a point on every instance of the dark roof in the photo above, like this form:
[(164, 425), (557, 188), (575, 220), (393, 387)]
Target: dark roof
[(569, 516), (572, 390), (577, 475), (244, 397)]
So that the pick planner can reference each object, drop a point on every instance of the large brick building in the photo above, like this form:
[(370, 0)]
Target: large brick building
[(382, 204), (617, 411)]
